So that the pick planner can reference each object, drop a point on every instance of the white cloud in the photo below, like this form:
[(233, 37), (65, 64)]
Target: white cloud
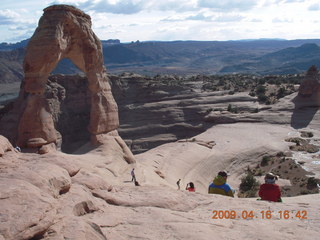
[(227, 5), (131, 6), (257, 20), (121, 7), (199, 17), (314, 7), (8, 17), (172, 19), (281, 20), (229, 18), (293, 1), (172, 5), (130, 20)]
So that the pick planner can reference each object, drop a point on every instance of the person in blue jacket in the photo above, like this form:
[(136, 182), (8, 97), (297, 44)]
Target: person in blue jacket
[(220, 185)]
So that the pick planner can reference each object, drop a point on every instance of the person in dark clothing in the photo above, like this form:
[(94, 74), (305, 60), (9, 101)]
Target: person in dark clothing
[(178, 184), (133, 175), (269, 191)]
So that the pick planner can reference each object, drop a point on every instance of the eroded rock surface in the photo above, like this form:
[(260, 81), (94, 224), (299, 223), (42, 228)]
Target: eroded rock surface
[(5, 145), (64, 32), (310, 88)]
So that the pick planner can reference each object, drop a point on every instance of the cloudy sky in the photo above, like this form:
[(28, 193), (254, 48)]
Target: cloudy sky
[(167, 20)]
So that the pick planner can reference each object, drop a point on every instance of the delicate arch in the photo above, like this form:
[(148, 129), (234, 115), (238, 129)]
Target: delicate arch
[(64, 32)]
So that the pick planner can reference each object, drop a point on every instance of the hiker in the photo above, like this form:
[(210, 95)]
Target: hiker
[(178, 183), (220, 186), (190, 187), (270, 191), (133, 175)]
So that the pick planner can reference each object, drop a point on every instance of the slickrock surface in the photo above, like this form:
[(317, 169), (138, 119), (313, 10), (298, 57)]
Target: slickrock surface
[(90, 195)]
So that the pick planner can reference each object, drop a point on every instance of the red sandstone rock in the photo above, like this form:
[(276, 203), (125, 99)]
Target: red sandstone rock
[(64, 32), (36, 142), (5, 145), (311, 84), (113, 137)]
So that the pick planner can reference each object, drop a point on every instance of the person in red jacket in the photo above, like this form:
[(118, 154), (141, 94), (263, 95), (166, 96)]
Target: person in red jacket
[(190, 187), (269, 191)]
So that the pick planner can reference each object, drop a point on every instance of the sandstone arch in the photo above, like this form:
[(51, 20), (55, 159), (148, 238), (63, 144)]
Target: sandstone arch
[(64, 32)]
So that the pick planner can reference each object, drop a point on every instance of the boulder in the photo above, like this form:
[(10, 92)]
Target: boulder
[(26, 211), (54, 182), (5, 145)]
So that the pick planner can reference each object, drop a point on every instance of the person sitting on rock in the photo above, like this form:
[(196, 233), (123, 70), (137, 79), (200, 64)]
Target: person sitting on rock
[(190, 187), (269, 191), (18, 148), (220, 186)]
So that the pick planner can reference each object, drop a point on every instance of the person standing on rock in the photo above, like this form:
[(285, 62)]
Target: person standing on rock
[(270, 191), (178, 184), (220, 185), (133, 175)]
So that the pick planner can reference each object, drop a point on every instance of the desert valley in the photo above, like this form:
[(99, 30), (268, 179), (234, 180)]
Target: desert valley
[(68, 144)]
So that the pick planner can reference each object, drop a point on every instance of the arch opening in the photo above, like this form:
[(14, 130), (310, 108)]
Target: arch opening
[(69, 100)]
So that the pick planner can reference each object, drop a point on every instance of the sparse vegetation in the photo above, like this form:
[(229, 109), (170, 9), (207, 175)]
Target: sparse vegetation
[(265, 160), (306, 134), (232, 109), (248, 186), (267, 89)]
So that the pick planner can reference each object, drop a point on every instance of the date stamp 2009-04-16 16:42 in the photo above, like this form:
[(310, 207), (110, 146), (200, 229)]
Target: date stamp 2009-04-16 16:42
[(264, 214)]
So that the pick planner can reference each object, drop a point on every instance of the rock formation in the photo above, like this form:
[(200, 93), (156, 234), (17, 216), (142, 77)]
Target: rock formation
[(310, 87), (5, 145), (63, 32)]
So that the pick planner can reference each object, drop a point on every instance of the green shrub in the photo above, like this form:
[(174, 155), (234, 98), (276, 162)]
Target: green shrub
[(265, 161), (281, 92), (281, 154), (261, 89), (248, 186), (232, 109), (252, 94), (256, 110), (262, 97)]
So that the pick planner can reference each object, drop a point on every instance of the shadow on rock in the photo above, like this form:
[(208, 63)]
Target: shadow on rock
[(304, 112)]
